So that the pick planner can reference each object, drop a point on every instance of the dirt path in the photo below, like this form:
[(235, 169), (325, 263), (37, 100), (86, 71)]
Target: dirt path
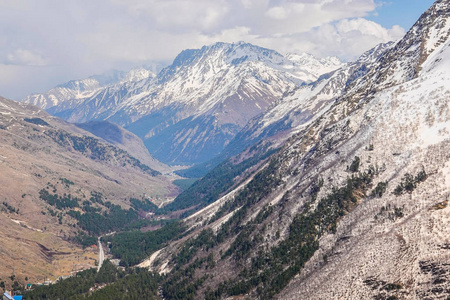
[(101, 255)]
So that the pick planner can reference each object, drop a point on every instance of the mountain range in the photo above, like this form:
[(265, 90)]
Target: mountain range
[(328, 180), (353, 205), (193, 108)]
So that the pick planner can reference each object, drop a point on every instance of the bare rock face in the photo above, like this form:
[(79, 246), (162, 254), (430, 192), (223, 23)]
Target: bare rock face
[(355, 203)]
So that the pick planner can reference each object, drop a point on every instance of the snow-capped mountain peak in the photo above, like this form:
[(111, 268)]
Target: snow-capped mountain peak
[(220, 87), (78, 90), (138, 74), (309, 67), (403, 61)]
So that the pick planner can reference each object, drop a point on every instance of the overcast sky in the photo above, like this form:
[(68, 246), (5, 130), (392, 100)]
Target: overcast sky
[(47, 42)]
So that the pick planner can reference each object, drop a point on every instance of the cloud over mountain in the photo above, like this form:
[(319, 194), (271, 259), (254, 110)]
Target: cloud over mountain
[(75, 39)]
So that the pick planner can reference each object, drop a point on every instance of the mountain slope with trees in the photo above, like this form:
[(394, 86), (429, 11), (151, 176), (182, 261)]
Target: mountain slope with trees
[(354, 205), (61, 185)]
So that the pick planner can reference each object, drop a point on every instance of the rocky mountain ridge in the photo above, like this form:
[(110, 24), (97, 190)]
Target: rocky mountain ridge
[(295, 110), (307, 103), (79, 89), (353, 206)]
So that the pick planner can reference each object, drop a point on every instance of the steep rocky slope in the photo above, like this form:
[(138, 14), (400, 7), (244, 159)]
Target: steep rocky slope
[(295, 110), (353, 206), (49, 167), (291, 114), (303, 105)]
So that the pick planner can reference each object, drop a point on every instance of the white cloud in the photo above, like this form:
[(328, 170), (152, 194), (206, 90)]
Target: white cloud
[(230, 35), (84, 37), (361, 26), (26, 58), (277, 13), (348, 38), (396, 32), (178, 15)]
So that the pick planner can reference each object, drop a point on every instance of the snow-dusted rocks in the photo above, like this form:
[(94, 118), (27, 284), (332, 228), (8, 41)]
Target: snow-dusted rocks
[(74, 92)]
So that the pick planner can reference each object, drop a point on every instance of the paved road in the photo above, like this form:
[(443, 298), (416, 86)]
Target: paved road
[(101, 255)]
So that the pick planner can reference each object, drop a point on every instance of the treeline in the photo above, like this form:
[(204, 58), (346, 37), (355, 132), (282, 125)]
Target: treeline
[(102, 218), (184, 184), (181, 284), (409, 182), (9, 208), (129, 284), (144, 205), (115, 219), (84, 240), (209, 188), (133, 247), (140, 284), (36, 121), (270, 270), (60, 202)]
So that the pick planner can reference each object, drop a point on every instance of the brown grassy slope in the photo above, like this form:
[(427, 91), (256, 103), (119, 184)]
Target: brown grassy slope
[(32, 243)]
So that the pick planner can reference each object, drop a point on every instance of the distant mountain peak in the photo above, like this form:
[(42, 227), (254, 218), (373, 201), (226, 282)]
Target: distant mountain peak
[(310, 67), (75, 90), (138, 74), (402, 61)]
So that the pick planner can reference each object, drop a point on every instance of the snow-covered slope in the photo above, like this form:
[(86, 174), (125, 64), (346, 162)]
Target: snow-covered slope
[(75, 91), (383, 66), (355, 204), (397, 241), (205, 98), (98, 104), (72, 90), (195, 106), (307, 103)]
